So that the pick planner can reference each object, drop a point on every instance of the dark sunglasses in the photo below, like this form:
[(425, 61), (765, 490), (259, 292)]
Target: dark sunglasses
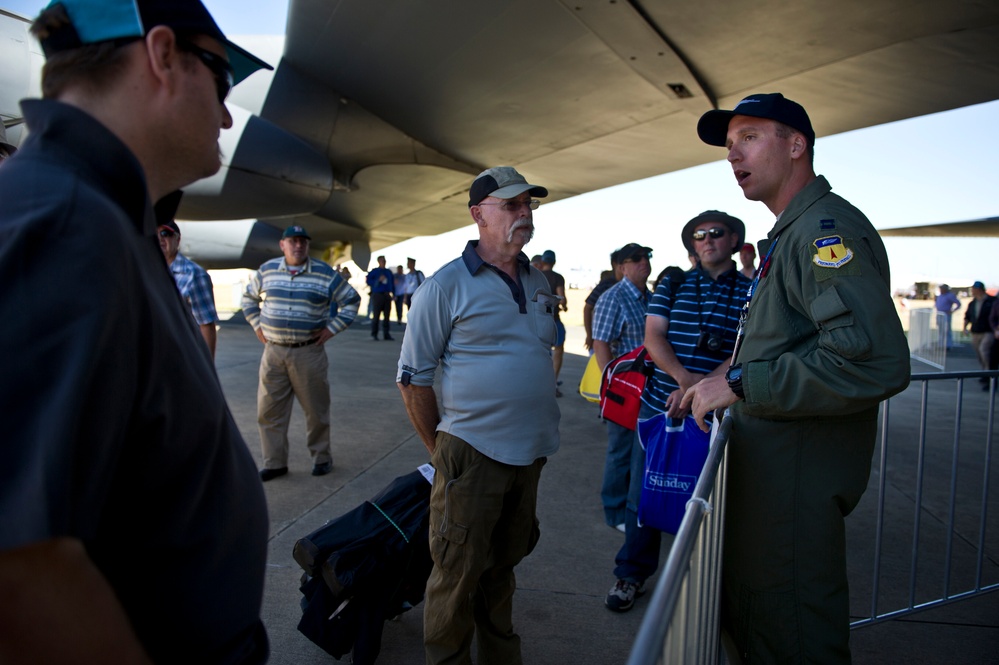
[(218, 66), (167, 233), (637, 258), (715, 233)]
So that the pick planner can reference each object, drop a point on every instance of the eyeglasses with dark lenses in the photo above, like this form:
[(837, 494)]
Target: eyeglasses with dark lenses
[(513, 206), (715, 233), (638, 258), (167, 233), (218, 66)]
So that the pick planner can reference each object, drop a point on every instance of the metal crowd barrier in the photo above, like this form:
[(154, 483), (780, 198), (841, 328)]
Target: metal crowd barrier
[(928, 336), (923, 568), (681, 623)]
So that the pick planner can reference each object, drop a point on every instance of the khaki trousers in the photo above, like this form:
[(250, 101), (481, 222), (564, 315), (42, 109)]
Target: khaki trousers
[(482, 523), (302, 373)]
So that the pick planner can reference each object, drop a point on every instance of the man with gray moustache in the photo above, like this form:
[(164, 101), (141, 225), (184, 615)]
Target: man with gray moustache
[(487, 319)]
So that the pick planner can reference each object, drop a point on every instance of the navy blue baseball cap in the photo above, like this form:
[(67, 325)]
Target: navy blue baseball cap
[(295, 232), (93, 21), (713, 125)]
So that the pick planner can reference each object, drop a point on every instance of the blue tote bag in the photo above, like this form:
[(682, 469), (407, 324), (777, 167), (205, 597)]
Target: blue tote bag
[(675, 452)]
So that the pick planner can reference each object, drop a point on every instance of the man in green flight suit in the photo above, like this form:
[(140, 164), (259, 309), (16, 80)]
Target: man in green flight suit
[(820, 348)]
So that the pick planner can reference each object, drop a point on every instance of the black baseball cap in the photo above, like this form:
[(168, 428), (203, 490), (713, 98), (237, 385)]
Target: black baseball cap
[(631, 250), (166, 209), (713, 125), (93, 21)]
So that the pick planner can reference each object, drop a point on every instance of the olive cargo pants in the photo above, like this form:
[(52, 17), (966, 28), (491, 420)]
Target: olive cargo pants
[(482, 523)]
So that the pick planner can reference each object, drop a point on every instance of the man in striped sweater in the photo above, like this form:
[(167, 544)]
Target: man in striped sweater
[(307, 302)]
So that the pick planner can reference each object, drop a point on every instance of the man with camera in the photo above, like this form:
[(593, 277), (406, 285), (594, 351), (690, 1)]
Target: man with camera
[(689, 334)]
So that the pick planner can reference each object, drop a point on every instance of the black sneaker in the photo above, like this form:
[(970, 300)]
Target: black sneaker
[(322, 469), (622, 597), (271, 474)]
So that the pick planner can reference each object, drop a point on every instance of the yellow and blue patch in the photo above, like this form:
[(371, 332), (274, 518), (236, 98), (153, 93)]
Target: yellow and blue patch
[(832, 256), (831, 252)]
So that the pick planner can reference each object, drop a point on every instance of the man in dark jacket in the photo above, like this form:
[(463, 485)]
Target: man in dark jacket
[(976, 321), (133, 528)]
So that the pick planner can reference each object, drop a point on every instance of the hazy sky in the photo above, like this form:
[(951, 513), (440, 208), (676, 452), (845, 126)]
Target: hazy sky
[(936, 168)]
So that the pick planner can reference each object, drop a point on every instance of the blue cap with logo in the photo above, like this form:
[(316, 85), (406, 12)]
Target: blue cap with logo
[(295, 232), (93, 21)]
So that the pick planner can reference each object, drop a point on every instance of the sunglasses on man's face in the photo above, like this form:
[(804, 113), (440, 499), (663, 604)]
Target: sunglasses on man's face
[(216, 64), (167, 233), (715, 233)]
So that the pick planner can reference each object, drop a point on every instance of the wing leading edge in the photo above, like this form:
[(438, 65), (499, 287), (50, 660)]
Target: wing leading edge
[(379, 115)]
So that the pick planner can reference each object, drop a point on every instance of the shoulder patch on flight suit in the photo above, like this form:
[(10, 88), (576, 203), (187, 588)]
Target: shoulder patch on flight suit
[(830, 256)]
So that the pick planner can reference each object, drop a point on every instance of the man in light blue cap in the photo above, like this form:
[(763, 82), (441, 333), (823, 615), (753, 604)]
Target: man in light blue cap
[(133, 527)]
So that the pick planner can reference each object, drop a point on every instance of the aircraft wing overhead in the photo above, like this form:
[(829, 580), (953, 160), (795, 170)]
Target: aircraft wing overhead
[(987, 227), (379, 114), (410, 100)]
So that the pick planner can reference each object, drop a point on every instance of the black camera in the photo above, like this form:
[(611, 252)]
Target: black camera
[(707, 341)]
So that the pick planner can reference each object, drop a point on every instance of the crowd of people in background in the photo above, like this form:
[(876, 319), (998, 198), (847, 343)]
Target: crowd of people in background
[(803, 375)]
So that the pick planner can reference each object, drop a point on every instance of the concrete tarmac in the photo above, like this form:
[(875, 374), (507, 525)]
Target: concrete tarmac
[(558, 608)]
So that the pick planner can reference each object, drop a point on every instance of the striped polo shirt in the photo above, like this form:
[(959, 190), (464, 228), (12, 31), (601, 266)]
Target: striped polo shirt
[(701, 305)]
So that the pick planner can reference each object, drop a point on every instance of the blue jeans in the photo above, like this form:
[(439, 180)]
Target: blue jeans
[(617, 471), (638, 557)]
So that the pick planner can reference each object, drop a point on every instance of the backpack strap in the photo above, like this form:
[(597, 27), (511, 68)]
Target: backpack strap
[(676, 280)]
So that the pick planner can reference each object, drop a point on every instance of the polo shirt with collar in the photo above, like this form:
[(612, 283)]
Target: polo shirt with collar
[(491, 338)]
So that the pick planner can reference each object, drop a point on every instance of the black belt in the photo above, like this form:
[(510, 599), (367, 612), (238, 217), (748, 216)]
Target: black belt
[(294, 345)]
